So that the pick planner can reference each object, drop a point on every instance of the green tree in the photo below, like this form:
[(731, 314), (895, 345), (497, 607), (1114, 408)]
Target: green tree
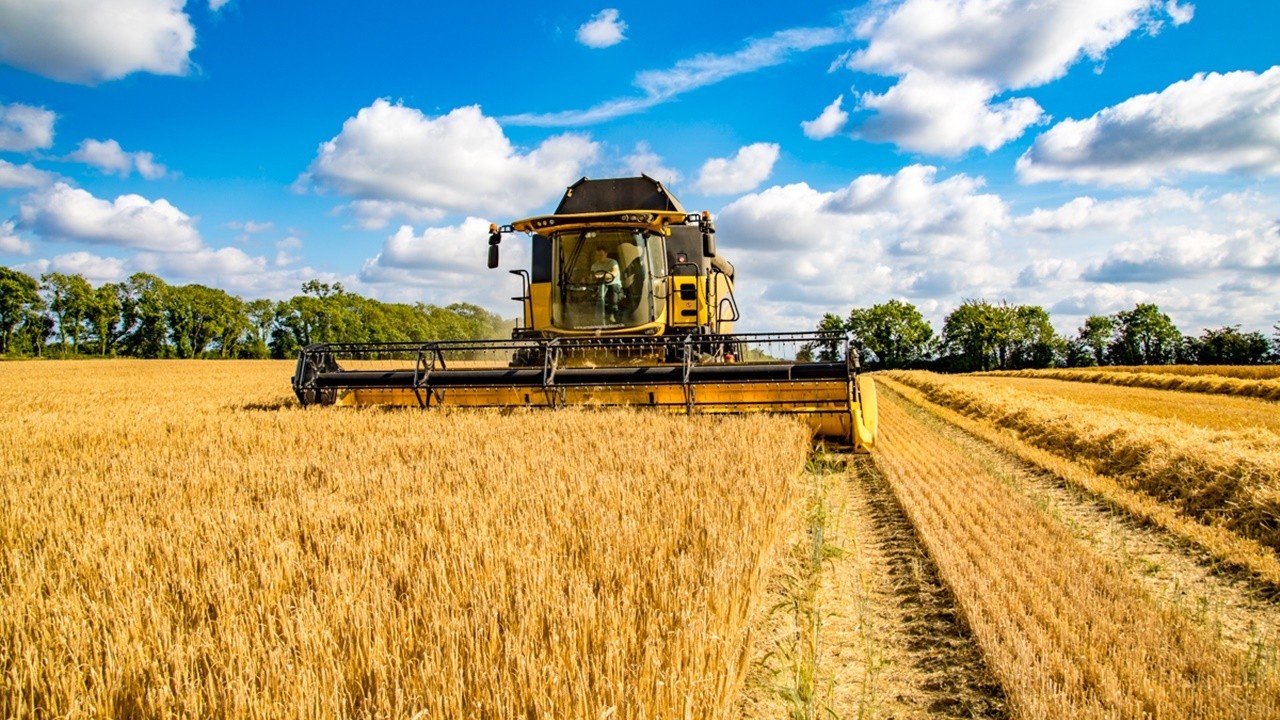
[(198, 315), (975, 335), (1033, 342), (894, 333), (1144, 336), (19, 300), (262, 318), (103, 316), (1096, 334), (70, 298), (1228, 346), (143, 318)]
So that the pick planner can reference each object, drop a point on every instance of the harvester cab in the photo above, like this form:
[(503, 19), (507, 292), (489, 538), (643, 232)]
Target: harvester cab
[(626, 302)]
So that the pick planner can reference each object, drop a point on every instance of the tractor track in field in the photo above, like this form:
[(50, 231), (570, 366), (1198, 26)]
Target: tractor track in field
[(922, 661), (1230, 606)]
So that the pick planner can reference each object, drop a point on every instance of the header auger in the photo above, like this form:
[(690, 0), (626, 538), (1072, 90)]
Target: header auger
[(625, 303)]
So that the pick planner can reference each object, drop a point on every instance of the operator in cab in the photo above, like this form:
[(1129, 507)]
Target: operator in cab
[(605, 271)]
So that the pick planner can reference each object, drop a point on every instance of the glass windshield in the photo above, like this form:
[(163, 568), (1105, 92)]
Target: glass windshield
[(604, 279)]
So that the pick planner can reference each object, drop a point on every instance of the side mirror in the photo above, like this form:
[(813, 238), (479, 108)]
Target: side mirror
[(708, 234), (495, 237)]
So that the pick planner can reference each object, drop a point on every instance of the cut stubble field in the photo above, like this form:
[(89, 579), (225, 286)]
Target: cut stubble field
[(182, 539)]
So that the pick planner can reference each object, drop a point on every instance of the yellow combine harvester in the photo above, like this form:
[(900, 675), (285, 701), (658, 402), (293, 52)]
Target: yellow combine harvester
[(626, 303)]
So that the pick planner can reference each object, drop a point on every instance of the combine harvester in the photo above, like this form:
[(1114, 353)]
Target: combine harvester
[(626, 303)]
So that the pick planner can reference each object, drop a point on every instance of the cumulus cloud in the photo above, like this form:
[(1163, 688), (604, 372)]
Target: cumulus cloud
[(95, 268), (202, 263), (64, 213), (643, 160), (23, 127), (9, 240), (603, 30), (284, 250), (109, 157), (1050, 270), (749, 167), (89, 41), (22, 176), (659, 86), (377, 214), (1184, 253), (828, 123), (251, 226), (448, 264), (909, 234), (945, 115), (1087, 213), (956, 58), (1212, 123), (460, 162)]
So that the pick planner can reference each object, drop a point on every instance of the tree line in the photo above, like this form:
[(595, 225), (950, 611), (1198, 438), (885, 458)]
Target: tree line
[(981, 335), (62, 314)]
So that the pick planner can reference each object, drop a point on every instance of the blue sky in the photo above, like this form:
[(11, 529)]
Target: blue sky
[(1083, 155)]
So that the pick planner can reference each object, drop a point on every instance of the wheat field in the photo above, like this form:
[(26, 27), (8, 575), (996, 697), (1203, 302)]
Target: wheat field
[(180, 539)]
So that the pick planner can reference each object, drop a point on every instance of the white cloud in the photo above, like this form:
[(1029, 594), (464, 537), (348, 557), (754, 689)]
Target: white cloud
[(95, 268), (659, 86), (109, 157), (955, 58), (23, 127), (1051, 270), (283, 255), (22, 176), (460, 162), (749, 167), (945, 115), (64, 213), (462, 247), (89, 41), (828, 123), (202, 263), (1087, 213), (447, 264), (951, 218), (644, 160), (1212, 123), (801, 252), (1180, 14), (603, 30), (251, 227), (216, 5), (9, 240), (377, 214), (1176, 253)]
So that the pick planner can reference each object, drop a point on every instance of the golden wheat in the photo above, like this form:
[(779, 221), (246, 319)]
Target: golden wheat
[(1247, 372), (1229, 478), (1222, 544), (182, 539), (1069, 635), (1252, 381), (1218, 412)]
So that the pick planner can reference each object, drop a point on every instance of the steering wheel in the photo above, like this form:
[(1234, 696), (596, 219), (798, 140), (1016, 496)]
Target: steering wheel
[(603, 277)]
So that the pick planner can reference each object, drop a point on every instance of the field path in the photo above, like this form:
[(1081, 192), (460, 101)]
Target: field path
[(898, 646)]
